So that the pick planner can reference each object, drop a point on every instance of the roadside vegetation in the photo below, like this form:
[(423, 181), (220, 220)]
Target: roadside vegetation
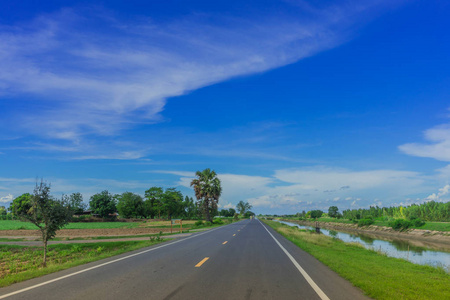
[(426, 216), (379, 276), (19, 263)]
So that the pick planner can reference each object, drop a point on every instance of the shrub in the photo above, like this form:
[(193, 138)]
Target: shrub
[(218, 221), (365, 222), (208, 223), (400, 224), (199, 223), (418, 223)]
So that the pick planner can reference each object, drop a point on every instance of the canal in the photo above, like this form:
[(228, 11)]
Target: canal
[(391, 247)]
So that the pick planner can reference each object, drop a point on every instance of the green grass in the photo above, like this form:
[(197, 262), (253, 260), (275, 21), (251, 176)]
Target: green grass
[(19, 263), (12, 239), (379, 276), (15, 225), (439, 226)]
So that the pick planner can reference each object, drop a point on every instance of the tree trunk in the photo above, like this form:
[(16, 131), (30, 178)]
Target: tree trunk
[(45, 253), (208, 216)]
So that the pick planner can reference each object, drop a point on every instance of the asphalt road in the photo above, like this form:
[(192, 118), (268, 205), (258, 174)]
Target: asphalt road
[(244, 260)]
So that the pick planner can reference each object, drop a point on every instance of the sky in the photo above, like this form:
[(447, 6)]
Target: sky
[(297, 105)]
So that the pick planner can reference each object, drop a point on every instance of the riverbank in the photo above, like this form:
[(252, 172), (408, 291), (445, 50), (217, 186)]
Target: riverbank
[(421, 238)]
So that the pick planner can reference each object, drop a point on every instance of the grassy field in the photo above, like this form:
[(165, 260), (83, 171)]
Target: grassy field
[(379, 276), (19, 263)]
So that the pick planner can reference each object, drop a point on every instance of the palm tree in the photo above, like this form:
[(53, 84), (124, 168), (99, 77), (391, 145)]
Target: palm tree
[(243, 207), (207, 191)]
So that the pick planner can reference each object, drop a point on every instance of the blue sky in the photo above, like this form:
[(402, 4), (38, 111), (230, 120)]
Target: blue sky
[(296, 105)]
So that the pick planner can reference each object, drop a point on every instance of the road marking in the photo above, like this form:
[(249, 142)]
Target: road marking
[(201, 262), (234, 234), (239, 230), (302, 271), (224, 242), (104, 264)]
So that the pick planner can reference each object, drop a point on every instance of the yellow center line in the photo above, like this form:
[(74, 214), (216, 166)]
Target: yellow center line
[(224, 242), (201, 262), (234, 234)]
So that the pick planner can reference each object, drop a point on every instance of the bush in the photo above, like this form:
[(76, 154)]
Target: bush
[(218, 221), (400, 224), (418, 223), (199, 223), (365, 222), (208, 223)]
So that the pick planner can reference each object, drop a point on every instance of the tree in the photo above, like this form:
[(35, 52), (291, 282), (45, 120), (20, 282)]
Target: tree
[(190, 210), (227, 212), (333, 212), (316, 213), (3, 211), (76, 203), (153, 201), (20, 204), (172, 204), (41, 209), (243, 207), (248, 214), (130, 205), (103, 204), (231, 212), (207, 190)]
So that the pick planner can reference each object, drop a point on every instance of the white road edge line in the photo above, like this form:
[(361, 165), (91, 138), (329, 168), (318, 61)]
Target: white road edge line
[(101, 265), (302, 271)]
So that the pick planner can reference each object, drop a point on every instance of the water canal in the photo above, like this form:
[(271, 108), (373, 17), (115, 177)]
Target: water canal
[(391, 247)]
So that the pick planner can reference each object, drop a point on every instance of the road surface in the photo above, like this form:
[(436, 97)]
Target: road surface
[(243, 260)]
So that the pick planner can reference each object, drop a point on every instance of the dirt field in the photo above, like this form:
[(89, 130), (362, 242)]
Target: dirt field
[(72, 233)]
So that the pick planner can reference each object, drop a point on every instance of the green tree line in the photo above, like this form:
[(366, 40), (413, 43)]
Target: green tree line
[(428, 211), (157, 203)]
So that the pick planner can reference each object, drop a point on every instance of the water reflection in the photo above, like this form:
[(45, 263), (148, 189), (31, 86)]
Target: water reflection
[(367, 239), (333, 233), (391, 247)]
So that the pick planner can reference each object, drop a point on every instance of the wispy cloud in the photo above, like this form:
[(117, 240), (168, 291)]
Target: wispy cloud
[(316, 187), (6, 199), (439, 196), (126, 155), (438, 146), (82, 82)]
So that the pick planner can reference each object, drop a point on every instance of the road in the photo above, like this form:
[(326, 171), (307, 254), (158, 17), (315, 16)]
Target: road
[(243, 260)]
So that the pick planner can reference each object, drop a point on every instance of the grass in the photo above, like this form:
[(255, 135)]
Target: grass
[(12, 239), (379, 276), (438, 226), (19, 263)]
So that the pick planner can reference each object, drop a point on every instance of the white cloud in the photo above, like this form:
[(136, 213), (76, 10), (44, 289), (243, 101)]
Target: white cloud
[(441, 193), (437, 148), (7, 198), (332, 179), (117, 73), (126, 155), (293, 190)]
